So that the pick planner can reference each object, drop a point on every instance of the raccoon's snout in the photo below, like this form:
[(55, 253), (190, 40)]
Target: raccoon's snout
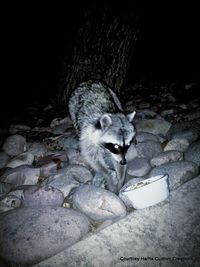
[(123, 162)]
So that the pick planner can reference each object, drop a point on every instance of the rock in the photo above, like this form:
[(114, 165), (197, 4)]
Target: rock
[(5, 188), (167, 112), (15, 145), (193, 153), (75, 157), (168, 233), (138, 167), (9, 202), (154, 126), (190, 135), (59, 126), (67, 140), (144, 136), (18, 127), (98, 204), (23, 174), (179, 172), (50, 168), (4, 158), (58, 155), (30, 235), (38, 195), (123, 197), (167, 156), (146, 114), (63, 181), (39, 150), (22, 159), (80, 173), (131, 153), (177, 144), (182, 127), (148, 149)]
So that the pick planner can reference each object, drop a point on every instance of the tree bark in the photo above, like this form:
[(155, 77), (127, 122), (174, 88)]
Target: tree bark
[(104, 49)]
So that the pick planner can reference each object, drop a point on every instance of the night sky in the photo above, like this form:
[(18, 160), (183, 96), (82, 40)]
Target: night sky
[(34, 39)]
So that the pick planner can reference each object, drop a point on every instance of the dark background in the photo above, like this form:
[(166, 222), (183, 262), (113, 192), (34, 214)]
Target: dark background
[(35, 39)]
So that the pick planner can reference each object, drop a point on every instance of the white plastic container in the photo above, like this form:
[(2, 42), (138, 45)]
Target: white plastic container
[(148, 192)]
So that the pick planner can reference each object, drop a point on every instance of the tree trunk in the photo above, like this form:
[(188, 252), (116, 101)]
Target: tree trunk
[(103, 51)]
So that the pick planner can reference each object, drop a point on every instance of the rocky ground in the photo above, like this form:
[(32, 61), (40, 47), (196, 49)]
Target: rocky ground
[(49, 195)]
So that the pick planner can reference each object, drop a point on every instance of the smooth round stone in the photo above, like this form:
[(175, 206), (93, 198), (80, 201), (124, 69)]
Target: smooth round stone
[(190, 135), (5, 188), (30, 235), (154, 126), (179, 172), (15, 145), (167, 156), (193, 153), (98, 204), (177, 144), (80, 173), (63, 181), (22, 159), (148, 149), (138, 167), (21, 175), (4, 159), (39, 150), (144, 136), (46, 195)]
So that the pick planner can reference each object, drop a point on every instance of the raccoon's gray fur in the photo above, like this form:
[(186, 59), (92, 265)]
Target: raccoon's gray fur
[(105, 132)]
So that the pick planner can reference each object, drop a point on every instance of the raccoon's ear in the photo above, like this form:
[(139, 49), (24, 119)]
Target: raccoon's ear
[(105, 121), (131, 116)]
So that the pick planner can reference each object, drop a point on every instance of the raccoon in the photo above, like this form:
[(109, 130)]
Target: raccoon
[(105, 132)]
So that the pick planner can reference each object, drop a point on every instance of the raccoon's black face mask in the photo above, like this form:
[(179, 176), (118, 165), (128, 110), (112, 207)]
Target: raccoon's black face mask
[(119, 150)]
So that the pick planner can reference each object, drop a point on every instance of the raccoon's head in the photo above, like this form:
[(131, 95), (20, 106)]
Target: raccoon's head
[(118, 133)]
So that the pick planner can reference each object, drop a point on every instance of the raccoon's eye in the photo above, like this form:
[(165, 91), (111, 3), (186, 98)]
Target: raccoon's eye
[(114, 148)]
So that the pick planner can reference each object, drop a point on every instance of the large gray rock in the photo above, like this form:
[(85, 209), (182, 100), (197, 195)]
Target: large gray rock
[(4, 158), (25, 158), (167, 235), (193, 153), (38, 195), (191, 135), (39, 150), (63, 181), (143, 136), (179, 172), (15, 145), (98, 204), (166, 156), (177, 144), (21, 175), (138, 167), (30, 235), (154, 126), (148, 149), (184, 126)]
